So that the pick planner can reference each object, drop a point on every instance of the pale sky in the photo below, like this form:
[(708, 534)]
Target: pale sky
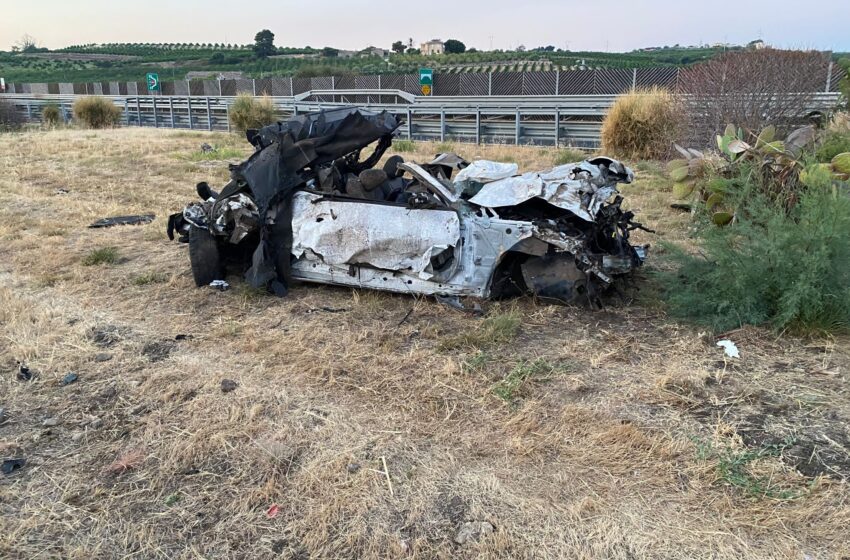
[(615, 25)]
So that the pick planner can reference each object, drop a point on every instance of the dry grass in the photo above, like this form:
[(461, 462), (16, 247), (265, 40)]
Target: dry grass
[(642, 124), (371, 437)]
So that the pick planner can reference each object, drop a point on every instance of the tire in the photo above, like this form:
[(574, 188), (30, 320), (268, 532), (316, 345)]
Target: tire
[(204, 256)]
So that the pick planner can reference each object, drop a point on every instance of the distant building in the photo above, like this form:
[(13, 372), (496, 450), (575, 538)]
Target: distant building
[(757, 45), (374, 51), (434, 46), (346, 54)]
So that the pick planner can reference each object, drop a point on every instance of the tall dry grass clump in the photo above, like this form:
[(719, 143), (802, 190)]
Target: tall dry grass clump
[(642, 124), (251, 112), (51, 115), (96, 112)]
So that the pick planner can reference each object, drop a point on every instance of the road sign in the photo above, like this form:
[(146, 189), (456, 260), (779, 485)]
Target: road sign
[(426, 80), (153, 81)]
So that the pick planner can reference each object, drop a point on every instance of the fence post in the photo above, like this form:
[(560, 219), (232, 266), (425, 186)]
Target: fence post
[(219, 87), (209, 115), (557, 128), (189, 112), (557, 81), (489, 83), (188, 87), (291, 87), (478, 125), (828, 77), (634, 78), (409, 124), (138, 109), (29, 111), (333, 84), (442, 125), (171, 110), (254, 86), (227, 114), (126, 112), (516, 136), (155, 117)]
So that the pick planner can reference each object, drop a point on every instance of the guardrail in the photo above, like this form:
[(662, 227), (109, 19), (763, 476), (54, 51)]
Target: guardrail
[(572, 120)]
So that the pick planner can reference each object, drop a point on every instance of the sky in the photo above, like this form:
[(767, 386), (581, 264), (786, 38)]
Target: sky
[(600, 25)]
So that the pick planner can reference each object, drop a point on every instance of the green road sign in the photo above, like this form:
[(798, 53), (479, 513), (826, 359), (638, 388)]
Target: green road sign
[(426, 80), (153, 81)]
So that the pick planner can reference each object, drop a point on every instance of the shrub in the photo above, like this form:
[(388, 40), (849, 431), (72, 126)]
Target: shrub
[(10, 119), (51, 115), (251, 112), (96, 112), (732, 88), (834, 143), (642, 124), (771, 264)]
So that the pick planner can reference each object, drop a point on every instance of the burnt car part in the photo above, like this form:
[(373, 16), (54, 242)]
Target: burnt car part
[(306, 206)]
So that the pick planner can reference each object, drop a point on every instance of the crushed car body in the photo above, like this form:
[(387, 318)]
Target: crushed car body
[(306, 206)]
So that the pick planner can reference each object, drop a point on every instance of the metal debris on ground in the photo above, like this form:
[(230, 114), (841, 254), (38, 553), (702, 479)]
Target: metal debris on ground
[(11, 465), (123, 221), (25, 373), (207, 149), (729, 348), (308, 206), (70, 378), (219, 285)]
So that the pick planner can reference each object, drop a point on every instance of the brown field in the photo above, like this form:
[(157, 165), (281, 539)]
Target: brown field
[(376, 425)]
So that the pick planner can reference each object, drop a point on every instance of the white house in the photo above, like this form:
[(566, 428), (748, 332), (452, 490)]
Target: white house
[(434, 46)]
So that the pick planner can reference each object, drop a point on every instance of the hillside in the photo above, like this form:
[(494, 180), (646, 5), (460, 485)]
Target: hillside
[(130, 62)]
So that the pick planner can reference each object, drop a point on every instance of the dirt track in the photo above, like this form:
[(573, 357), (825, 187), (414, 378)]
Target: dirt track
[(373, 422)]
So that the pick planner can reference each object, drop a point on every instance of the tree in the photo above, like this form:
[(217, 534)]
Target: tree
[(398, 47), (454, 46), (329, 52), (27, 44), (264, 44), (411, 50)]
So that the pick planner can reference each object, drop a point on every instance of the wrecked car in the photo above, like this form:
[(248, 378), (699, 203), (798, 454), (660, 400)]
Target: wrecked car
[(306, 206)]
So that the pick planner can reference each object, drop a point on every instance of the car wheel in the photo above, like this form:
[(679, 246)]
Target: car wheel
[(204, 257)]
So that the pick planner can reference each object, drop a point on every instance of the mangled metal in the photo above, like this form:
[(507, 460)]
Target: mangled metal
[(305, 207)]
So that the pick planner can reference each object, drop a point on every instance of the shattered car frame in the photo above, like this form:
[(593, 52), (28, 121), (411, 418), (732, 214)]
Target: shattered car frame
[(306, 207)]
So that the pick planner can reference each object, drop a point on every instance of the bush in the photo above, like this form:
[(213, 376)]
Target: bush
[(642, 124), (786, 268), (834, 143), (51, 115), (250, 112), (10, 119), (96, 112)]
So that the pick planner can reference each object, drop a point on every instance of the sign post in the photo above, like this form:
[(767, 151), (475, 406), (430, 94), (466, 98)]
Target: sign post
[(153, 81), (426, 81), (2, 85)]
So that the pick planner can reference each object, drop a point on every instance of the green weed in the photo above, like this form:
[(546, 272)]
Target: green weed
[(404, 145), (495, 329), (104, 255), (508, 388)]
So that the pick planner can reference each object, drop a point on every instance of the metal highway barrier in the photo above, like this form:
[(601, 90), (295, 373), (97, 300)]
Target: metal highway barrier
[(559, 120)]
